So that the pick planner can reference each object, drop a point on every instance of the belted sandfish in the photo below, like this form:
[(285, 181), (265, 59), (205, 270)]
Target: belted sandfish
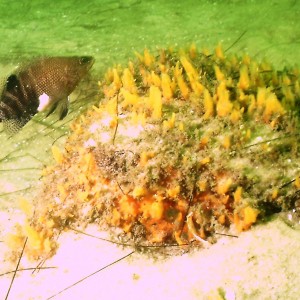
[(45, 83)]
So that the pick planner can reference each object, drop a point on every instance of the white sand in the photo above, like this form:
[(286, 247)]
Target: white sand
[(261, 264)]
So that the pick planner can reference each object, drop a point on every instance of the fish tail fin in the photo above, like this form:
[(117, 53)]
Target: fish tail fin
[(12, 126), (2, 115)]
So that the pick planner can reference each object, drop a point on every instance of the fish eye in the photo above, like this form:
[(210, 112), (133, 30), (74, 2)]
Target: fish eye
[(85, 60)]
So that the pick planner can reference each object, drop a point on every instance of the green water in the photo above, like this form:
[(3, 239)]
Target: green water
[(112, 30)]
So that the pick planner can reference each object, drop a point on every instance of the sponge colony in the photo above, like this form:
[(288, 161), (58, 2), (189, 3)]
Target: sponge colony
[(182, 144)]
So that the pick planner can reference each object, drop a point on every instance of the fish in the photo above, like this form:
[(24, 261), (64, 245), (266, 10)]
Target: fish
[(43, 84)]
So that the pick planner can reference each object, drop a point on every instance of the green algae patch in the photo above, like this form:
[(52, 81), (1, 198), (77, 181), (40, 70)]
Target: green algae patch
[(183, 145)]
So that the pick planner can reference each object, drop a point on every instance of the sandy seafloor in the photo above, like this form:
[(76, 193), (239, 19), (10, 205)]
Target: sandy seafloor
[(262, 263)]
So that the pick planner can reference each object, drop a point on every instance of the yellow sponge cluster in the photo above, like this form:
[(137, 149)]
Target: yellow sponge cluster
[(183, 144)]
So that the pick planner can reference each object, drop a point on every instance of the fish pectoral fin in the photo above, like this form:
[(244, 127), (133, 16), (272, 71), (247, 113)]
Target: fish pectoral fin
[(52, 109), (63, 108)]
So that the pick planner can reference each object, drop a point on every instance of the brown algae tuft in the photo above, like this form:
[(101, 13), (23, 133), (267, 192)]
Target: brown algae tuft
[(182, 145)]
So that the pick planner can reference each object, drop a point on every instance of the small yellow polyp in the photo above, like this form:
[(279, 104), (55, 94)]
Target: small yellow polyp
[(155, 101), (224, 105), (156, 210), (190, 70), (219, 75), (297, 182), (155, 79), (261, 97), (116, 81), (173, 192), (57, 155), (224, 185), (139, 191), (144, 158), (148, 58), (238, 194), (226, 142), (128, 81), (168, 124), (166, 86), (250, 215), (219, 52), (208, 105), (129, 98), (273, 106), (26, 207), (205, 160), (244, 81)]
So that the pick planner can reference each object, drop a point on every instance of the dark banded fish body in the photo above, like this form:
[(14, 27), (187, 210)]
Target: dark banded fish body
[(44, 83)]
